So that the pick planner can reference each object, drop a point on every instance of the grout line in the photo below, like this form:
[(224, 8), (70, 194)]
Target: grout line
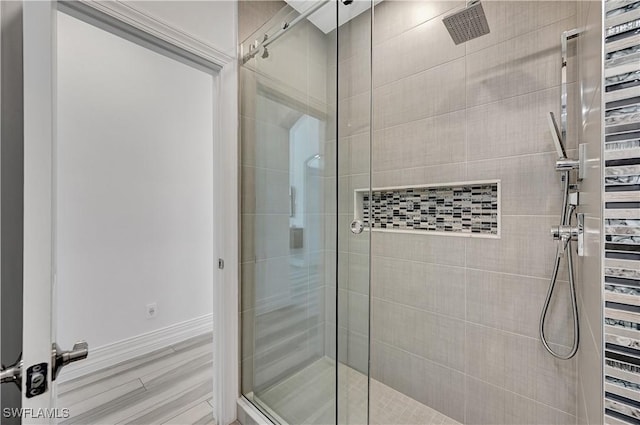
[(468, 54), (459, 266), (465, 375), (462, 320)]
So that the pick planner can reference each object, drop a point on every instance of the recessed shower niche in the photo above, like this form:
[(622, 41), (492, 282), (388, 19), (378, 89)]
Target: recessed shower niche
[(468, 209)]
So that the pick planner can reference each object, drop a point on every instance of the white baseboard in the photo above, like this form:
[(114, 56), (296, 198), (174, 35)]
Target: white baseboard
[(130, 348)]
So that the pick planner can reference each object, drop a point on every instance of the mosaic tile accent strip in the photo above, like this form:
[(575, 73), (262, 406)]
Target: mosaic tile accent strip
[(471, 209), (621, 223)]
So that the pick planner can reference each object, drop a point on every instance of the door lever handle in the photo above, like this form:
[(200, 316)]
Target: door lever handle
[(12, 373), (60, 359)]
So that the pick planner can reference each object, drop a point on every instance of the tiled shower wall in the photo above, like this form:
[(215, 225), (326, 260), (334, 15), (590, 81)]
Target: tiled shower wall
[(621, 94), (589, 267), (455, 320)]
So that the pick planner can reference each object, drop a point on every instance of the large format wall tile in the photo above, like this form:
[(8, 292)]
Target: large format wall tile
[(510, 19), (430, 249), (529, 183), (590, 377), (355, 114), (421, 143), (395, 17), (514, 126), (438, 338), (413, 51), (432, 92), (525, 247), (354, 77), (498, 358), (429, 175), (431, 287), (520, 65), (437, 386), (513, 303), (488, 404)]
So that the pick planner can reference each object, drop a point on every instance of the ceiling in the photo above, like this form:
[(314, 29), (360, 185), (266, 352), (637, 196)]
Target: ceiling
[(325, 17)]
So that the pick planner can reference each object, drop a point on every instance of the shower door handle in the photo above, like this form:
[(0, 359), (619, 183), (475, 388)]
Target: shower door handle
[(357, 226)]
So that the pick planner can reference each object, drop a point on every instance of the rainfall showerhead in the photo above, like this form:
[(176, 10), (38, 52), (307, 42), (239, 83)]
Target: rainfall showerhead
[(468, 23)]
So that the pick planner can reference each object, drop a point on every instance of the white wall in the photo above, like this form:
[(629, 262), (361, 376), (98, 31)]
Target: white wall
[(134, 189)]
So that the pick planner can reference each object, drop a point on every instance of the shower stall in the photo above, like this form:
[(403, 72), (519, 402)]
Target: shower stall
[(399, 184)]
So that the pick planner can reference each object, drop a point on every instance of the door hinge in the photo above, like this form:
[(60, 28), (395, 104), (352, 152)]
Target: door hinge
[(220, 263)]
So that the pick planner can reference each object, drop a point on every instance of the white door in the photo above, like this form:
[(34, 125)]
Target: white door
[(118, 200), (39, 133)]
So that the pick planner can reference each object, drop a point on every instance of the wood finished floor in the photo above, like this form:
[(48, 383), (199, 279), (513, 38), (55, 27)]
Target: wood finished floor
[(169, 386)]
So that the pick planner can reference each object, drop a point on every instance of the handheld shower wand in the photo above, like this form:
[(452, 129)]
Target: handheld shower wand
[(555, 135), (564, 234)]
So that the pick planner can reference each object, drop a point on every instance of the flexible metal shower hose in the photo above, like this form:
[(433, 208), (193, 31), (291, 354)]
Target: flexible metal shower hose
[(564, 245)]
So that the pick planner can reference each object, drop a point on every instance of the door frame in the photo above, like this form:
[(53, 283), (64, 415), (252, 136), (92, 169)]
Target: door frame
[(225, 148)]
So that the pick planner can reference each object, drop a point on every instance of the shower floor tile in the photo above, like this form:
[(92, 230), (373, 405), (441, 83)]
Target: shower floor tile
[(307, 397)]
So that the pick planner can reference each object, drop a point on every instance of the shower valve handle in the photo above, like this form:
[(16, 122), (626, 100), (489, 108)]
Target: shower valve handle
[(571, 233), (565, 232), (567, 164)]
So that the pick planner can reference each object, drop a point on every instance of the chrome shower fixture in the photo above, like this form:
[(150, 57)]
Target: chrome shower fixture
[(556, 135), (562, 163), (565, 234), (468, 23)]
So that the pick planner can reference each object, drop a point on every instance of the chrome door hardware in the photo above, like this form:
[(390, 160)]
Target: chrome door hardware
[(36, 379), (357, 227), (59, 358), (12, 373)]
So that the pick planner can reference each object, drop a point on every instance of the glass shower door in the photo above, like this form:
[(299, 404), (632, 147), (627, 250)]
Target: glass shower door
[(288, 216), (305, 140), (354, 141)]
